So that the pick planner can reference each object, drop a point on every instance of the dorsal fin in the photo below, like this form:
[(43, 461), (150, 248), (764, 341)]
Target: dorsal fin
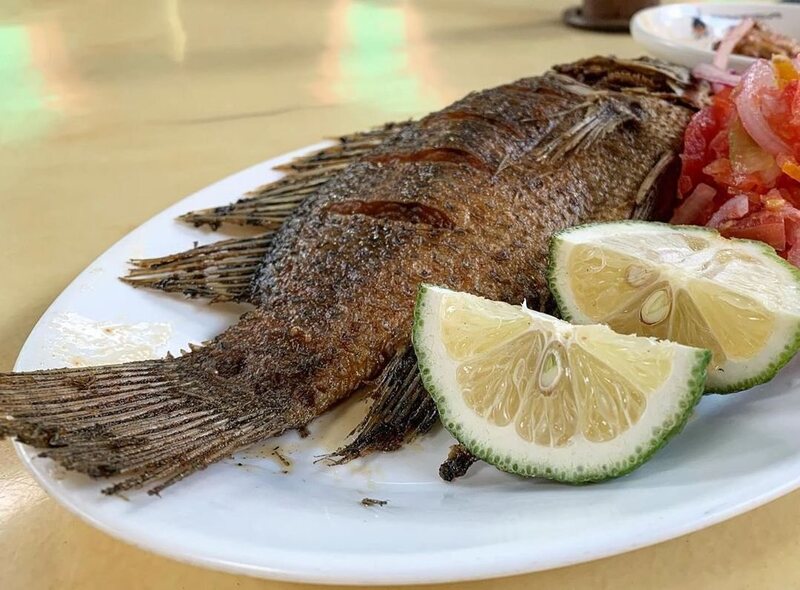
[(222, 271), (269, 205)]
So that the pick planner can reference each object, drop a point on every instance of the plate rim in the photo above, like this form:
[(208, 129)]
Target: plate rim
[(509, 558), (470, 569), (648, 38)]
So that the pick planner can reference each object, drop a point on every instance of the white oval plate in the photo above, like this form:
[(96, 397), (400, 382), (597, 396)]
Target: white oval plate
[(308, 525), (667, 30)]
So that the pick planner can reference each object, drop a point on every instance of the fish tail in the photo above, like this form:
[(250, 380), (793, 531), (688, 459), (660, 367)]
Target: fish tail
[(222, 271), (269, 205), (401, 412), (142, 422)]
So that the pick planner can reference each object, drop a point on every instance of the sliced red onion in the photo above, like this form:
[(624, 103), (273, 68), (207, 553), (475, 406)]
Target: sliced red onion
[(735, 208), (758, 79), (729, 41), (714, 74)]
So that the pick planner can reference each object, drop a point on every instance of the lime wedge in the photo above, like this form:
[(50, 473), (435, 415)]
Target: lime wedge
[(537, 396), (736, 298)]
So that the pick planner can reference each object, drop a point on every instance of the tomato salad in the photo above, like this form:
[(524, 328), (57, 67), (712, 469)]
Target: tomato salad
[(740, 171)]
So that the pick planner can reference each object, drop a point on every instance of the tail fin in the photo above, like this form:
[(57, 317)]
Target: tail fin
[(222, 271), (148, 421), (270, 204), (401, 412)]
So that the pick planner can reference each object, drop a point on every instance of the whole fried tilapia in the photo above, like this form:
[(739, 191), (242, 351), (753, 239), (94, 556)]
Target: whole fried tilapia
[(466, 197)]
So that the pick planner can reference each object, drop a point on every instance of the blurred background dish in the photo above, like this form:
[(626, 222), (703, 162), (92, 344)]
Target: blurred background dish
[(605, 15), (688, 33)]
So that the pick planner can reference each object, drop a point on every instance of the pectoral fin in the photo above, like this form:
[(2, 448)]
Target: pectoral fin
[(401, 412)]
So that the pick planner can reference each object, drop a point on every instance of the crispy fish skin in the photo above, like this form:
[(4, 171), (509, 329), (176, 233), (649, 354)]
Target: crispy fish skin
[(361, 247), (466, 198)]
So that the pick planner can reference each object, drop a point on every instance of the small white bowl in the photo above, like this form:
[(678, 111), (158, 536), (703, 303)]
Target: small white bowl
[(667, 32)]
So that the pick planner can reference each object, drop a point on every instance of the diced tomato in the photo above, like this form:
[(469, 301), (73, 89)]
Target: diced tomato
[(720, 171), (781, 104), (790, 190), (723, 105), (697, 208), (764, 226), (740, 183), (754, 182), (777, 107), (685, 184), (720, 145), (795, 120), (705, 126)]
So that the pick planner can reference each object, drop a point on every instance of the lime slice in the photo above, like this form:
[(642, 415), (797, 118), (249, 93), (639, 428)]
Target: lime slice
[(536, 396), (736, 298)]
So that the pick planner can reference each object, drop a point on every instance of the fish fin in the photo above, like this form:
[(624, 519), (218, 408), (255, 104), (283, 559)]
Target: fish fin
[(401, 412), (268, 205), (656, 197), (603, 114), (458, 462), (615, 73), (643, 75), (347, 149), (144, 422), (222, 271)]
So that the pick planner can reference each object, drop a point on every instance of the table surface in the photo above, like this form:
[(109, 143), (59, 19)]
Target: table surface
[(110, 111)]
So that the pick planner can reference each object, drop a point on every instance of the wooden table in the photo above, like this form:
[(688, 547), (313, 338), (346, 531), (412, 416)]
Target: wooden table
[(110, 111)]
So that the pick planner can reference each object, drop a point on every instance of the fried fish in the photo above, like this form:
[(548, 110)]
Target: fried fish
[(466, 197)]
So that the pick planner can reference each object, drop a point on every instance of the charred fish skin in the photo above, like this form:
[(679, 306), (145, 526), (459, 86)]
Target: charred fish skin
[(267, 206), (511, 261), (492, 211), (466, 198)]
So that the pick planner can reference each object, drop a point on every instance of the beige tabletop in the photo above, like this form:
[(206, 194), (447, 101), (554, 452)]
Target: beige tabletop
[(110, 111)]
